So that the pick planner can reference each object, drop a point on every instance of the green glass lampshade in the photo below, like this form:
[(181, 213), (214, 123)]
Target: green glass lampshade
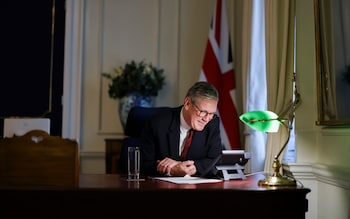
[(260, 120)]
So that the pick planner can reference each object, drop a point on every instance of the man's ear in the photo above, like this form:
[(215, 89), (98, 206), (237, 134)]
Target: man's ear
[(187, 102)]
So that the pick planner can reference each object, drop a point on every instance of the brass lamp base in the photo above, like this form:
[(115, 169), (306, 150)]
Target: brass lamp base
[(277, 181)]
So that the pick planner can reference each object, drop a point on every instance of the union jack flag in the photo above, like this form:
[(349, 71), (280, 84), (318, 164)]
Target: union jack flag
[(217, 69)]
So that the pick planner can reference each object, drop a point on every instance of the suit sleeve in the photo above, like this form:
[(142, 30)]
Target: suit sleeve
[(208, 147)]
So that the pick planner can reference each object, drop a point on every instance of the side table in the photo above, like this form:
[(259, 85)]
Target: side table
[(113, 148)]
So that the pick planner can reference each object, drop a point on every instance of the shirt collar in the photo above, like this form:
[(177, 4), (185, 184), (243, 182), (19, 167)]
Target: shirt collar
[(183, 125)]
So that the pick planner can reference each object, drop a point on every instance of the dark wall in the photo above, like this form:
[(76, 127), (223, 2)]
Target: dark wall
[(32, 50)]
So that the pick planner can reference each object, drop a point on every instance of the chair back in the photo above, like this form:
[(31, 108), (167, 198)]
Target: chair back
[(37, 159), (137, 118)]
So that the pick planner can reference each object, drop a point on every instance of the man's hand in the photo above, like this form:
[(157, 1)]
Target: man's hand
[(176, 168)]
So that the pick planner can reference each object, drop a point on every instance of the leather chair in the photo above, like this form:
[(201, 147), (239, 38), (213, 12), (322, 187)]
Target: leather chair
[(38, 160), (135, 122)]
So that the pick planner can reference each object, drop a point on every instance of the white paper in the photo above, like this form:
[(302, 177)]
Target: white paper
[(187, 180), (20, 126), (232, 151)]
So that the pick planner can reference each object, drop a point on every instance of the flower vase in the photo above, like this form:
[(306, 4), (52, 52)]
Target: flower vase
[(131, 100)]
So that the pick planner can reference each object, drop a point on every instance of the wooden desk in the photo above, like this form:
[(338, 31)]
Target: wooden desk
[(110, 194)]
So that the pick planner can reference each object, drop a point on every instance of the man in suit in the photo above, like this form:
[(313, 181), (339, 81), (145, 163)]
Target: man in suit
[(164, 137)]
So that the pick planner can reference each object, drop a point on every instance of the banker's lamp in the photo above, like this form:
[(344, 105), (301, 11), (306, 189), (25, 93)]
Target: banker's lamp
[(268, 121)]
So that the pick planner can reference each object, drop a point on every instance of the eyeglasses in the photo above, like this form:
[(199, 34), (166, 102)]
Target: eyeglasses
[(203, 113)]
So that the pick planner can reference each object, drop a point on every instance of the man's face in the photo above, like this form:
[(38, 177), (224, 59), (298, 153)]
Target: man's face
[(199, 113)]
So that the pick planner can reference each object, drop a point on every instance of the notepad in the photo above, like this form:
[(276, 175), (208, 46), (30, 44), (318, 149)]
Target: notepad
[(187, 180)]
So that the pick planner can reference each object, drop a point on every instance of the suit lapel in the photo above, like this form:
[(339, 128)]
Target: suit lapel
[(174, 134)]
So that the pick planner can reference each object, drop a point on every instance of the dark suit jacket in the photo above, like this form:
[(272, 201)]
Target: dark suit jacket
[(161, 135)]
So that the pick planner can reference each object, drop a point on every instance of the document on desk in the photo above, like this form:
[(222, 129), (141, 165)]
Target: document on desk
[(187, 180)]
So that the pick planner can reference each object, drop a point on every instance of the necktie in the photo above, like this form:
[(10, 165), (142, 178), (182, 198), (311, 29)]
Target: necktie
[(187, 144)]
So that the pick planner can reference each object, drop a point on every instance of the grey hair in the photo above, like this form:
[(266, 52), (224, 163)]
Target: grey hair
[(202, 89)]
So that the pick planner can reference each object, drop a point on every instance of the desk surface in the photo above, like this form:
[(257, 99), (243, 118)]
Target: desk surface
[(119, 182)]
